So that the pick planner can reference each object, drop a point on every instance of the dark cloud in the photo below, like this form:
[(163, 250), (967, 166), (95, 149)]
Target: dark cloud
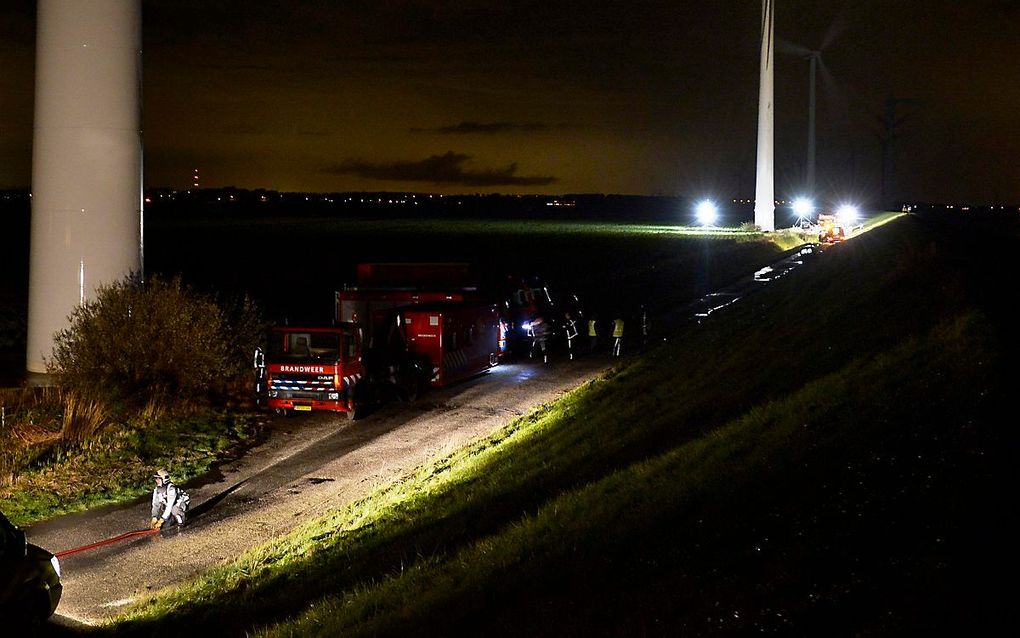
[(448, 168), (488, 128)]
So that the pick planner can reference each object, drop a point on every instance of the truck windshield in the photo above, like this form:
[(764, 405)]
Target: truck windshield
[(304, 346)]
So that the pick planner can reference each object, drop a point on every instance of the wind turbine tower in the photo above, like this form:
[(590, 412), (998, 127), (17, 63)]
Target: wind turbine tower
[(86, 160), (765, 188)]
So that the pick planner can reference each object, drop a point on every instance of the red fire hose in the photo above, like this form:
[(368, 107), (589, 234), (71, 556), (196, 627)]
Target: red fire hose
[(109, 541)]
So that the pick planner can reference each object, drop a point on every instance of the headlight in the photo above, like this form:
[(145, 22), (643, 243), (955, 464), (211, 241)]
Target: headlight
[(334, 396), (273, 394), (56, 565)]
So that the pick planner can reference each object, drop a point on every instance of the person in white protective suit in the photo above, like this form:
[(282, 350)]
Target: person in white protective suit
[(169, 502)]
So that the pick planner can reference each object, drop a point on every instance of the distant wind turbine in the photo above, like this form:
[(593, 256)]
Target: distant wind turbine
[(815, 64)]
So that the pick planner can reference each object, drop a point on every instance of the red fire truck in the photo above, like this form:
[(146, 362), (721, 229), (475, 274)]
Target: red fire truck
[(314, 368), (459, 341), (387, 341)]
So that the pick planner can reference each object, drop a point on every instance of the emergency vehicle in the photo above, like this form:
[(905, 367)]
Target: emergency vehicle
[(387, 341), (831, 229), (314, 368), (527, 299), (459, 341)]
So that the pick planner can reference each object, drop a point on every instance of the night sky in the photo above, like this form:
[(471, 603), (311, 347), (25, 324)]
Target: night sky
[(640, 97)]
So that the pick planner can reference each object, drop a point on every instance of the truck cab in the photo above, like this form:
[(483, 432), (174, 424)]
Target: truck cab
[(315, 368)]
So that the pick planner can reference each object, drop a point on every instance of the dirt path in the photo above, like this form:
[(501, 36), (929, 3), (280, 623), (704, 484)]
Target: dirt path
[(308, 466)]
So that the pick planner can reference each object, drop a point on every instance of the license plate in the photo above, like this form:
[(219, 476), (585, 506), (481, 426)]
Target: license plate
[(302, 408)]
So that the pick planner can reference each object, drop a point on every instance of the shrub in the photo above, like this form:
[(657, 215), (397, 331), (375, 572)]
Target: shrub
[(82, 420), (244, 329), (153, 341)]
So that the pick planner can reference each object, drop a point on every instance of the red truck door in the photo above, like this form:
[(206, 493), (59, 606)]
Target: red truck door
[(460, 342)]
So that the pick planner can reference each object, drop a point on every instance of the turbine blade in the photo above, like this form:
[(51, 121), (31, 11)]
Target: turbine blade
[(835, 96), (836, 27), (791, 48)]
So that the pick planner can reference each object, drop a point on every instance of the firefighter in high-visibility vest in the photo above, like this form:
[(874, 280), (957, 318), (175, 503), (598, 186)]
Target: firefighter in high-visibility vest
[(593, 333), (571, 328), (539, 331), (617, 336)]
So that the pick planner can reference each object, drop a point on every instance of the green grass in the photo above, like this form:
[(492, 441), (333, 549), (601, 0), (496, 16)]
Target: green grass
[(770, 449), (475, 226), (118, 466), (875, 348), (445, 227)]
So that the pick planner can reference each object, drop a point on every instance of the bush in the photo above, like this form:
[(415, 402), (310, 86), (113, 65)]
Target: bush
[(245, 329), (154, 341)]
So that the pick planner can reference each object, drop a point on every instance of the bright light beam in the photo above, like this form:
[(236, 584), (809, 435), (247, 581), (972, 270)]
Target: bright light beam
[(706, 212), (803, 208), (848, 214)]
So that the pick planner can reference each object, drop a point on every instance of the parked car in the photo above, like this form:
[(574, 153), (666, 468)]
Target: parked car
[(29, 577)]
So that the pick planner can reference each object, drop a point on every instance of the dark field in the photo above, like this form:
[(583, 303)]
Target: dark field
[(291, 266)]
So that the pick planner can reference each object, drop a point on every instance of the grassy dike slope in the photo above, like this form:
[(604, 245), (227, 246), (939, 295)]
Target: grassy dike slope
[(826, 458)]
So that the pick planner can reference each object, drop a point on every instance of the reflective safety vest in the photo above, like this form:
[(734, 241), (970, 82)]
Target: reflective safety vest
[(571, 329), (618, 327), (591, 328)]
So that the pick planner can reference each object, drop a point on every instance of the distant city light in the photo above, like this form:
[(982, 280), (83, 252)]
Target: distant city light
[(706, 212)]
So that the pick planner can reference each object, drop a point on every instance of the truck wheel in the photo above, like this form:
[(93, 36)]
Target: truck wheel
[(356, 402)]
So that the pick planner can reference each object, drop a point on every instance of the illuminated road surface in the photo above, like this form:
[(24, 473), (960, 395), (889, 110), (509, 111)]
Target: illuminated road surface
[(313, 464), (310, 465)]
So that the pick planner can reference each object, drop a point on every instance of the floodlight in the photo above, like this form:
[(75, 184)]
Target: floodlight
[(707, 212), (803, 207), (848, 213)]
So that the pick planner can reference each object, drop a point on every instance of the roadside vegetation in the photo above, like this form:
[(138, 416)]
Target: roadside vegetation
[(828, 456), (144, 376)]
